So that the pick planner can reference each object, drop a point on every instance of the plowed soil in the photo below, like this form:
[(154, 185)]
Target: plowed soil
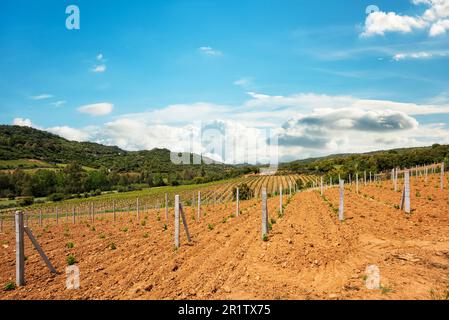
[(309, 253)]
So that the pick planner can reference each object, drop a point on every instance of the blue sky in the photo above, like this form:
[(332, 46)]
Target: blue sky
[(139, 67)]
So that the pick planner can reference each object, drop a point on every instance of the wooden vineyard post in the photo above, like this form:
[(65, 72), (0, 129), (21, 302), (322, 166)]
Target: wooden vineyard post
[(357, 183), (74, 215), (364, 174), (21, 229), (176, 221), (199, 205), (370, 177), (137, 210), (322, 187), (395, 181), (350, 179), (166, 206), (392, 177), (281, 205), (20, 248), (57, 215), (113, 211), (341, 214), (39, 249), (264, 214), (237, 203), (1, 222), (184, 222), (92, 212), (40, 217), (442, 176), (426, 172), (405, 201)]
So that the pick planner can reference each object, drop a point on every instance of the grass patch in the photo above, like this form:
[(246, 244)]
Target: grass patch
[(70, 245), (9, 286)]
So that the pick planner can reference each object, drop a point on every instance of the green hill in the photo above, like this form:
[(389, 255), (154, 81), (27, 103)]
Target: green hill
[(376, 161), (38, 163)]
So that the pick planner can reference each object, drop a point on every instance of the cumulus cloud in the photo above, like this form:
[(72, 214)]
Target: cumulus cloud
[(435, 20), (305, 125), (22, 122), (209, 51), (324, 126), (71, 133), (379, 23), (97, 109)]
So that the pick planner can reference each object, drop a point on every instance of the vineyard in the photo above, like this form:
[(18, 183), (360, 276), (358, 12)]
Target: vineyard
[(127, 251), (215, 193)]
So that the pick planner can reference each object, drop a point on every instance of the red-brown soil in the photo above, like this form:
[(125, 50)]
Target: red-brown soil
[(309, 255)]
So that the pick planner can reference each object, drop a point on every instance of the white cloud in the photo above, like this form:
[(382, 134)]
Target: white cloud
[(307, 124), (22, 122), (97, 109), (434, 19), (378, 23), (307, 102), (71, 133), (99, 69), (245, 82), (420, 55), (59, 103), (41, 97), (439, 28), (208, 51)]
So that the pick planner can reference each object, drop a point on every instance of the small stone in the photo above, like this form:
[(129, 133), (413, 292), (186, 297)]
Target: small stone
[(149, 288), (226, 289)]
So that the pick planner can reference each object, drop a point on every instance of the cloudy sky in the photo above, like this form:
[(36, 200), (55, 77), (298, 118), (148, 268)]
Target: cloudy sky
[(314, 77)]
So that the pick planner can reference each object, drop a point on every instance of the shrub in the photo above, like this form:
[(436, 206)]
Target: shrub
[(27, 201), (112, 246), (300, 184), (71, 260), (245, 192), (56, 197)]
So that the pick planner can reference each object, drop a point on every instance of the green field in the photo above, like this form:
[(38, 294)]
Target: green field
[(24, 163)]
